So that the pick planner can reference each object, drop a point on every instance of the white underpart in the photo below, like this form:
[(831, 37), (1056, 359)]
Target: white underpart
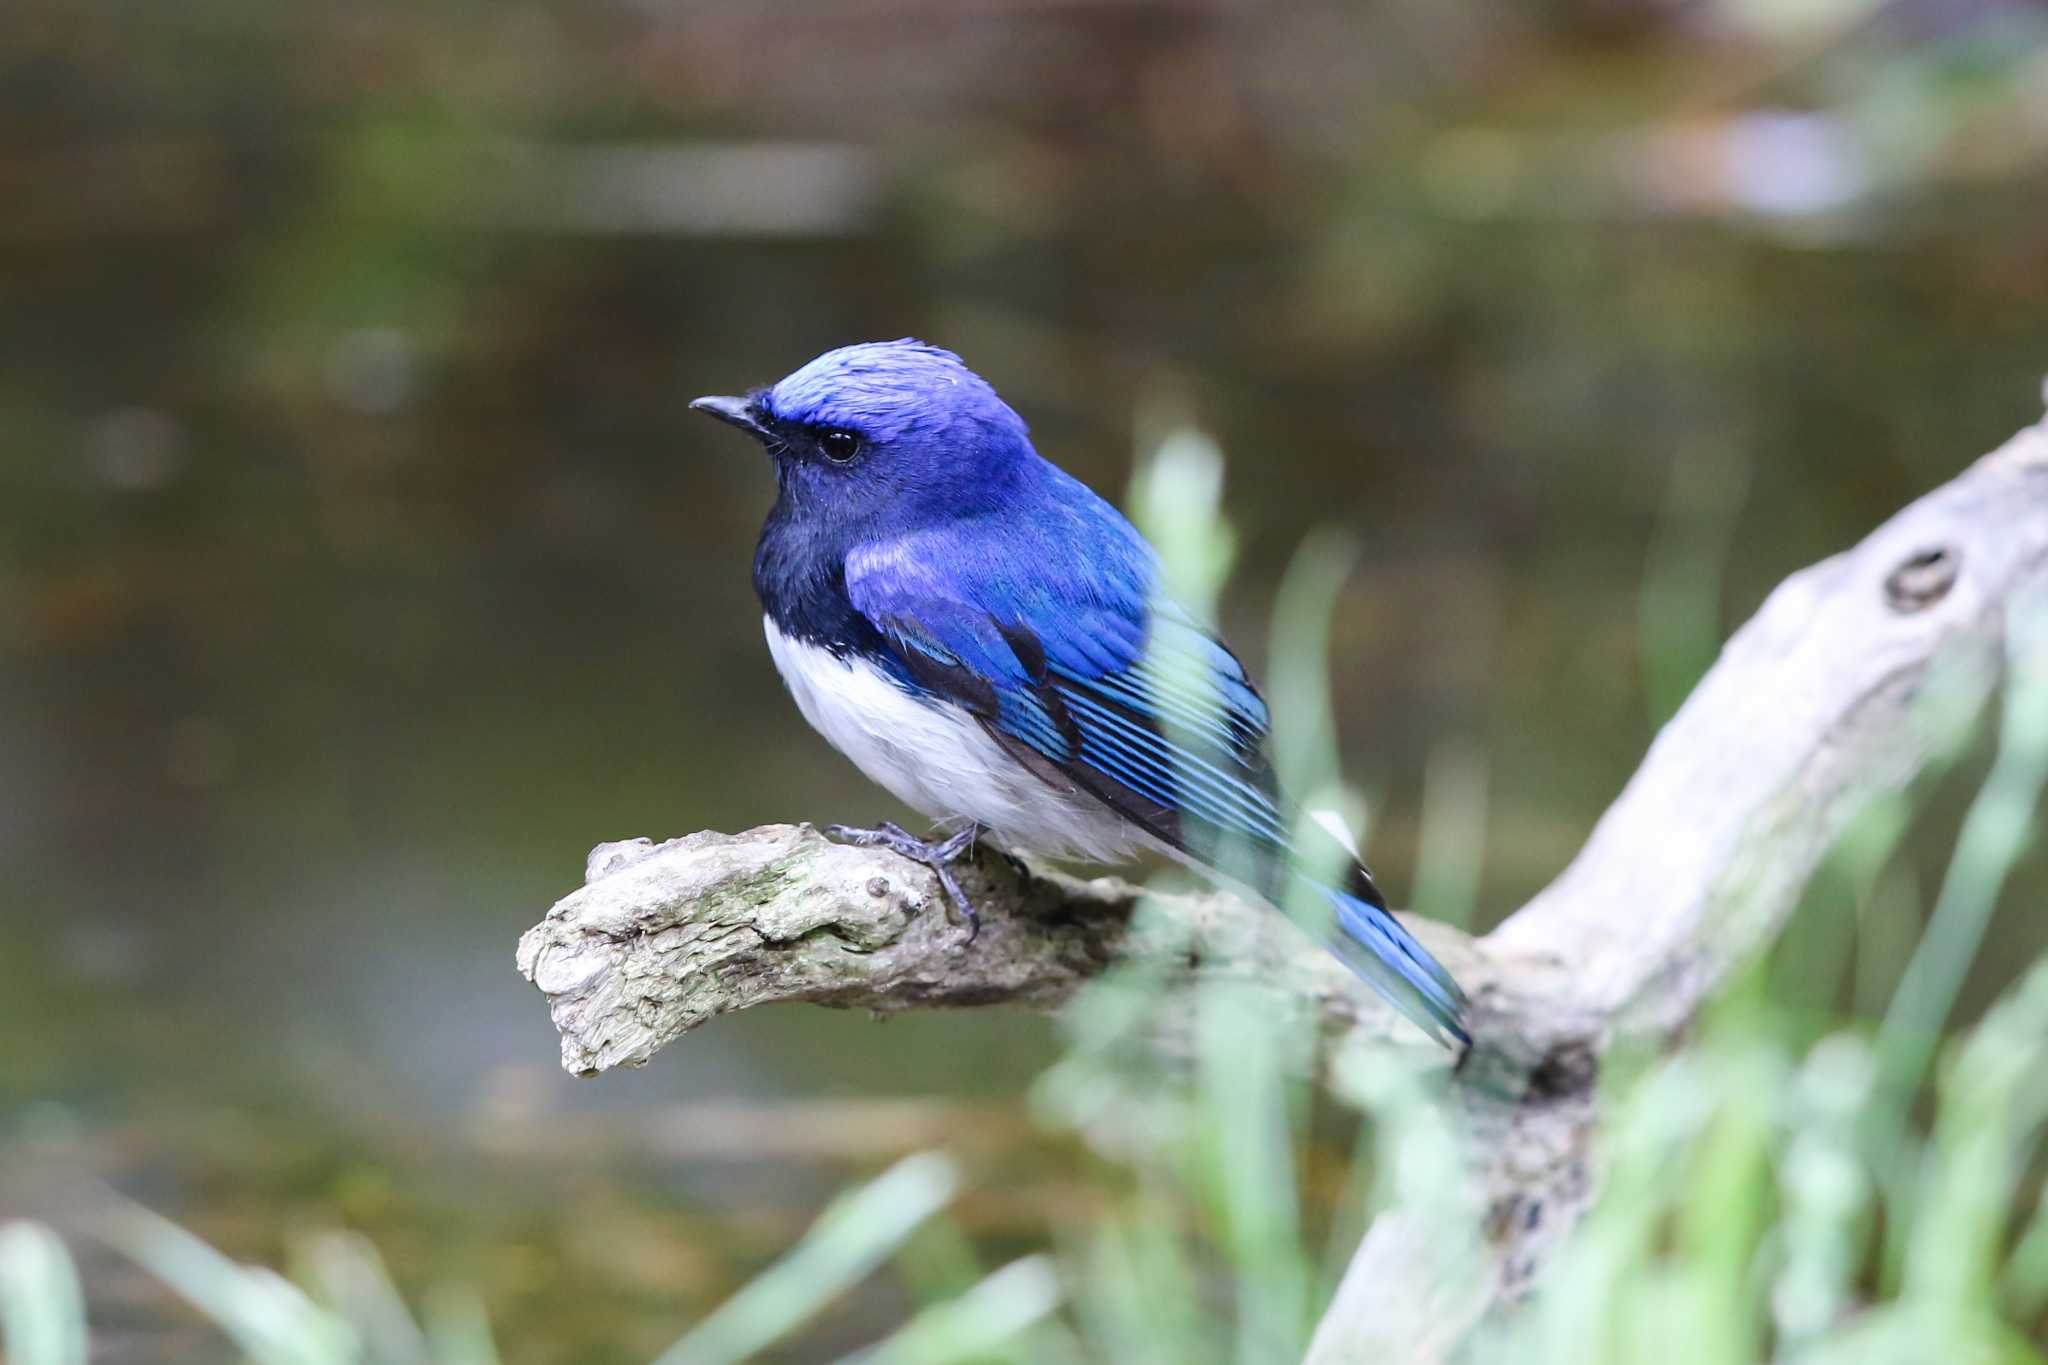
[(936, 758)]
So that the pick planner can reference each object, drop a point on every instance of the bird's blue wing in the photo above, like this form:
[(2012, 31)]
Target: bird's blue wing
[(1075, 660), (1070, 658)]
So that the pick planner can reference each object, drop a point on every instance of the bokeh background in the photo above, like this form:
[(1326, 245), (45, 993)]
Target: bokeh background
[(361, 566)]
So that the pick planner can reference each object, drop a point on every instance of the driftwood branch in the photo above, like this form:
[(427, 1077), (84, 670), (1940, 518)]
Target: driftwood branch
[(665, 936), (1814, 707)]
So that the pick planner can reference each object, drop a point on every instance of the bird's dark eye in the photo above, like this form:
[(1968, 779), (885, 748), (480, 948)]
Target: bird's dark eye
[(839, 446)]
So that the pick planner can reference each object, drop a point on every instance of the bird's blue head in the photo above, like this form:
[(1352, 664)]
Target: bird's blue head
[(882, 435)]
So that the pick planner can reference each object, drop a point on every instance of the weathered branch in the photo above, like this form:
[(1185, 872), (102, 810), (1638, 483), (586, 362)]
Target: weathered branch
[(665, 936), (1812, 709)]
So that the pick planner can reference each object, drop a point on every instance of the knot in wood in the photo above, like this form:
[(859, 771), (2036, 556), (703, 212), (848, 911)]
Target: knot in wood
[(1566, 1070), (1922, 579)]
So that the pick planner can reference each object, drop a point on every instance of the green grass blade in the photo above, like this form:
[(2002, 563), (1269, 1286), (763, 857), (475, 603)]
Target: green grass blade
[(852, 1237), (263, 1313), (458, 1330), (42, 1310), (1993, 1101), (1176, 500), (348, 1278), (1448, 858), (1996, 831), (1722, 1215), (2025, 1287), (1679, 609), (1249, 1176), (1140, 1300), (1825, 1191), (1304, 738), (975, 1324)]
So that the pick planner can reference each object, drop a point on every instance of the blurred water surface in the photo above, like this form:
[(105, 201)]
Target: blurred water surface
[(361, 566)]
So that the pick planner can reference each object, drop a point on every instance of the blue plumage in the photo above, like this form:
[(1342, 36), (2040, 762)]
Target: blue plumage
[(919, 538)]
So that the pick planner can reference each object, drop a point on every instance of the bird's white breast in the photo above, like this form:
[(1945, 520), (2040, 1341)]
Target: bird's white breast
[(936, 758)]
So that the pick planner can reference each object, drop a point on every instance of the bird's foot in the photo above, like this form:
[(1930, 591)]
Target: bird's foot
[(938, 856)]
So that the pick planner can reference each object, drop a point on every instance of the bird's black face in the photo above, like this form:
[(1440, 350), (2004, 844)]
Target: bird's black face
[(836, 480), (833, 478), (822, 444)]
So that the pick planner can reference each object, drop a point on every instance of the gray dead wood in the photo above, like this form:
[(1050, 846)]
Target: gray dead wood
[(1814, 708)]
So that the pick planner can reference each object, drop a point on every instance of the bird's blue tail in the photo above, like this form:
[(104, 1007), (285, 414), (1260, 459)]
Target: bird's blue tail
[(1388, 958)]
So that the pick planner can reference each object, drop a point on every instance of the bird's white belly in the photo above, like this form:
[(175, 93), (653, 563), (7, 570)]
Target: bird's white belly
[(936, 758)]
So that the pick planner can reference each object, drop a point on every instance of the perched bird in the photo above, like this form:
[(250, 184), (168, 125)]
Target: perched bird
[(987, 639)]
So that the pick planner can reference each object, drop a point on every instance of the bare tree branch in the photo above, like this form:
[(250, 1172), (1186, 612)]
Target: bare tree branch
[(662, 937), (1815, 706)]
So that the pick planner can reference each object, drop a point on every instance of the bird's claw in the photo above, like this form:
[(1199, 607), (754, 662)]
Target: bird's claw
[(938, 856)]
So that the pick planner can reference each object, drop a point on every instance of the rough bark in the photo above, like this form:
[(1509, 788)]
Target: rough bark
[(1814, 707)]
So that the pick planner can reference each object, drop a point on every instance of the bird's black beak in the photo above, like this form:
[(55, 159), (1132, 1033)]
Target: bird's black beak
[(738, 412)]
